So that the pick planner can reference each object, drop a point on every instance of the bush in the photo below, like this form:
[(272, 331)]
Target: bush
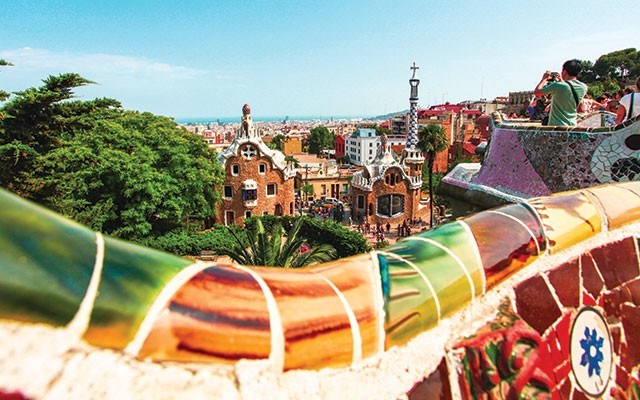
[(345, 241)]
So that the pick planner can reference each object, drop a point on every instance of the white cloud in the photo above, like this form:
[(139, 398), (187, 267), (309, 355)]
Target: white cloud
[(97, 65)]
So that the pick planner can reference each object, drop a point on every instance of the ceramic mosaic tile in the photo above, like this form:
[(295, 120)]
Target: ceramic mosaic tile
[(518, 244), (617, 262), (219, 315), (316, 326), (591, 279), (621, 206), (566, 282), (434, 387), (429, 280), (525, 214), (355, 279), (131, 279), (568, 219), (535, 303), (47, 262)]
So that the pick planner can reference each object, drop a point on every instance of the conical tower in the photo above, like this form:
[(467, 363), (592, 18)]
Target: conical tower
[(412, 157)]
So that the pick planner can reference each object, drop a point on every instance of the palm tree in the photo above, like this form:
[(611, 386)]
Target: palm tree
[(432, 139), (268, 248)]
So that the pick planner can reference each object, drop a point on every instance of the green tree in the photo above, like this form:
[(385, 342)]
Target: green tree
[(320, 138), (382, 131), (432, 139), (121, 172), (4, 95), (268, 248), (618, 65), (307, 189), (277, 142), (292, 160)]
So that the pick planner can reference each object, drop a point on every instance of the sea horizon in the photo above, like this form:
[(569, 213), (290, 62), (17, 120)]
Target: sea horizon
[(230, 120)]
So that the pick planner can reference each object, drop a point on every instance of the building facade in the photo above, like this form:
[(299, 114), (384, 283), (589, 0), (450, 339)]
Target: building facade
[(361, 146), (258, 180)]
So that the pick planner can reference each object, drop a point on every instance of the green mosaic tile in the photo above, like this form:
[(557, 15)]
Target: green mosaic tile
[(432, 275), (46, 262), (132, 277)]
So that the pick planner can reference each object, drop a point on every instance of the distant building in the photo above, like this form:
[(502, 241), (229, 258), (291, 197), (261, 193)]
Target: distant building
[(258, 181), (339, 146), (517, 100), (361, 146), (324, 175), (292, 145)]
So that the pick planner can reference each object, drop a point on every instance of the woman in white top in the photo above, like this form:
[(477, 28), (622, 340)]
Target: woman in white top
[(629, 102)]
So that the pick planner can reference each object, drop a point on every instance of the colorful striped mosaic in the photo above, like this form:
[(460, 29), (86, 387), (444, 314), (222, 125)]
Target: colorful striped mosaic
[(164, 308)]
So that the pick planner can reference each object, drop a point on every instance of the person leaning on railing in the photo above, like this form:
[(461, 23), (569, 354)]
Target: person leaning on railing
[(629, 105)]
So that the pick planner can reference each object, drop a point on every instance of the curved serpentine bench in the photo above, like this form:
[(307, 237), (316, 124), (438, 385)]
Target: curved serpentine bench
[(109, 294)]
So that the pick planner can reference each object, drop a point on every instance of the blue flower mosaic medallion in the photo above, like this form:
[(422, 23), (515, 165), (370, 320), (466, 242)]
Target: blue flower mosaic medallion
[(591, 356)]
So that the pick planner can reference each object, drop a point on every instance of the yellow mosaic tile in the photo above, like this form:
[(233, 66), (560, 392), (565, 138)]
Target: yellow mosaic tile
[(621, 205), (568, 218)]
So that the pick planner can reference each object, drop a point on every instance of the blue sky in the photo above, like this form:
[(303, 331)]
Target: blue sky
[(301, 58)]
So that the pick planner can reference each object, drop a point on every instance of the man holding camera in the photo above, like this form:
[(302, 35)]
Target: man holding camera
[(567, 93)]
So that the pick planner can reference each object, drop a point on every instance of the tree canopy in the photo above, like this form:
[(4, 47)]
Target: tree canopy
[(320, 138), (125, 173), (610, 71)]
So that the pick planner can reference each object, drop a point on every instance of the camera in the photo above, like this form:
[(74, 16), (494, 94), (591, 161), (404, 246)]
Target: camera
[(554, 76)]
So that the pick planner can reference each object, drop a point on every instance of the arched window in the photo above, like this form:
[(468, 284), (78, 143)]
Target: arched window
[(390, 205)]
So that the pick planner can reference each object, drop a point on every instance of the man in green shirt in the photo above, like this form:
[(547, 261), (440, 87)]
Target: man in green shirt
[(567, 93)]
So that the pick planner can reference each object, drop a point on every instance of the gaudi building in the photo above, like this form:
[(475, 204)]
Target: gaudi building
[(258, 180), (389, 189)]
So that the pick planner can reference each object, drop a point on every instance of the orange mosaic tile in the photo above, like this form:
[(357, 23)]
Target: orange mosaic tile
[(621, 205)]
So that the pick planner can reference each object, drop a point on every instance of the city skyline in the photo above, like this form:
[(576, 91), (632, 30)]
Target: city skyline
[(304, 58)]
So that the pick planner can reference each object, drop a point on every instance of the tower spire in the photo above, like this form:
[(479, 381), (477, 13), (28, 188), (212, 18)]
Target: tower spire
[(412, 134)]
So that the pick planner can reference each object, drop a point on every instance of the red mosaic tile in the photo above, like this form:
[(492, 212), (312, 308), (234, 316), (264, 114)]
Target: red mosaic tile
[(616, 333), (545, 361), (562, 371), (634, 291), (617, 262), (12, 395), (630, 317), (622, 378), (579, 395), (588, 300), (536, 304), (563, 332), (553, 350), (565, 389), (566, 281), (591, 280), (434, 387), (612, 301)]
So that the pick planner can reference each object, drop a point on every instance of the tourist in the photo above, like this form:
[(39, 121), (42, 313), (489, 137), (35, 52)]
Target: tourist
[(388, 227), (629, 106), (567, 93)]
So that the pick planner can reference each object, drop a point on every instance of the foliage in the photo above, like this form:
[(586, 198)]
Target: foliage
[(345, 241), (307, 189), (182, 242), (320, 138), (262, 247), (124, 173), (382, 131), (431, 140), (597, 89), (277, 142), (292, 160), (619, 64), (4, 95)]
